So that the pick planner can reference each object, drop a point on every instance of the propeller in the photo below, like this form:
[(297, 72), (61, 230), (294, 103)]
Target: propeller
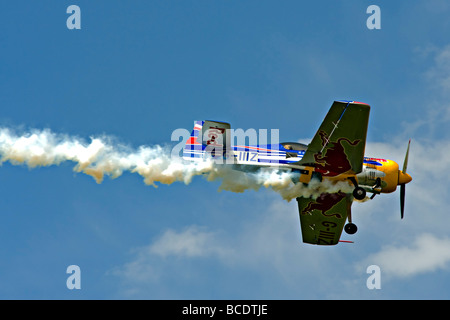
[(402, 200), (403, 179)]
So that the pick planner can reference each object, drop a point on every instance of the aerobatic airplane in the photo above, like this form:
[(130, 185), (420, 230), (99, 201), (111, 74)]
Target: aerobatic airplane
[(336, 153)]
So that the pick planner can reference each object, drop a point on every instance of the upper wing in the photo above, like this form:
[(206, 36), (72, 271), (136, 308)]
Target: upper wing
[(323, 219), (338, 146)]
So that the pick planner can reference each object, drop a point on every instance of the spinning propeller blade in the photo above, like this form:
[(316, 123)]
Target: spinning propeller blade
[(403, 179), (402, 200), (405, 163)]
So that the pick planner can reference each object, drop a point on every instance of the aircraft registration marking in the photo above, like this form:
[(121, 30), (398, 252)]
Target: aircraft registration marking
[(327, 236), (248, 156)]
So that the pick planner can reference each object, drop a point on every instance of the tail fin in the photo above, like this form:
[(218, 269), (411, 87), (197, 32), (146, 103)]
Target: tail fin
[(193, 147), (207, 136)]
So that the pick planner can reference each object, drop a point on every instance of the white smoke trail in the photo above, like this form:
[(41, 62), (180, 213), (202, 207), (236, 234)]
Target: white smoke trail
[(279, 181), (102, 157), (99, 158)]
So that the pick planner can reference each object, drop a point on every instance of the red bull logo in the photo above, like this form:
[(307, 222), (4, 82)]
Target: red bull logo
[(215, 135), (325, 202), (334, 161)]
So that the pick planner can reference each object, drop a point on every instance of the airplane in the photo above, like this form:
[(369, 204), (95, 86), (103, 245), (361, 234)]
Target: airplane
[(336, 153)]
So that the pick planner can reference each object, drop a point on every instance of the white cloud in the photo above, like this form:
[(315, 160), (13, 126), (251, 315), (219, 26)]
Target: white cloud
[(439, 72), (268, 247), (426, 254), (432, 105), (149, 263), (193, 241)]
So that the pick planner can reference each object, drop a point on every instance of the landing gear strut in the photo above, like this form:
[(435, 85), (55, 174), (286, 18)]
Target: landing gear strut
[(350, 227)]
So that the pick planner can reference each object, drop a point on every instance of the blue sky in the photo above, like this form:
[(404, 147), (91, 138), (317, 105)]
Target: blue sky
[(138, 70)]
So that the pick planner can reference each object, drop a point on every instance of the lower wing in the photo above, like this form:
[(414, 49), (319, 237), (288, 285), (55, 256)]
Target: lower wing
[(323, 219)]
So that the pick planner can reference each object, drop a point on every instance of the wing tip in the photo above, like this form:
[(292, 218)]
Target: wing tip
[(354, 102)]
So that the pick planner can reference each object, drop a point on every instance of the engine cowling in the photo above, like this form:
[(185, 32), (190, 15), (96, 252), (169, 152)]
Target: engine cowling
[(369, 176), (388, 172)]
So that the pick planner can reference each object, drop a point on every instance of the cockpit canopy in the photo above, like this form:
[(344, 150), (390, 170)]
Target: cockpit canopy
[(294, 146)]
